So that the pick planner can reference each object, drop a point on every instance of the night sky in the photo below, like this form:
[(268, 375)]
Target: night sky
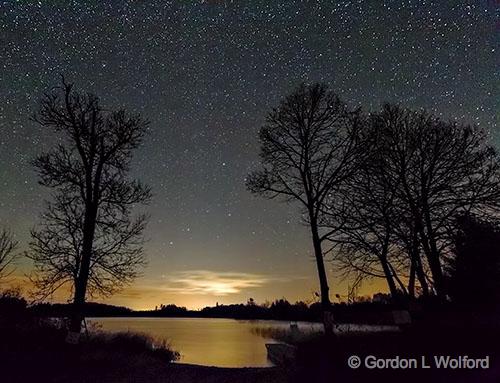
[(205, 73)]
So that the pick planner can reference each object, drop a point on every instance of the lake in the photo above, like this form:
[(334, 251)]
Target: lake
[(207, 341)]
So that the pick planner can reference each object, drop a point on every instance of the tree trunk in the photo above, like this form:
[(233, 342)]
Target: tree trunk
[(411, 279), (323, 280), (422, 278), (388, 276), (434, 264), (428, 244), (416, 261), (433, 261), (398, 280), (83, 274), (437, 274), (433, 256)]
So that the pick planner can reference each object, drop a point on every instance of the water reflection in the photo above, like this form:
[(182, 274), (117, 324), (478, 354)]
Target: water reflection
[(205, 341)]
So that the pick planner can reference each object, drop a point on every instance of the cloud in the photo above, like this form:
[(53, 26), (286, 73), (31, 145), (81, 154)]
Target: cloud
[(214, 283)]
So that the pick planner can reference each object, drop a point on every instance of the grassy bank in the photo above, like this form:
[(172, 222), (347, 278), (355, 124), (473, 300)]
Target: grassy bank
[(38, 353), (33, 349)]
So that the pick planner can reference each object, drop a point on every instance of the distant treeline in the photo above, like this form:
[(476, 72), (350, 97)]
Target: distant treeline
[(370, 311), (280, 310)]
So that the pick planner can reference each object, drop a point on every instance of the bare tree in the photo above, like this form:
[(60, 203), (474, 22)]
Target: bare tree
[(365, 213), (437, 170), (365, 238), (88, 236), (308, 147), (8, 253), (419, 173), (445, 169)]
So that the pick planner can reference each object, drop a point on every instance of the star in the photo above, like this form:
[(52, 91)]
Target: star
[(206, 75)]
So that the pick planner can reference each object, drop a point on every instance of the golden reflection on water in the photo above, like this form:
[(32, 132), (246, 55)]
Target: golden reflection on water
[(204, 341)]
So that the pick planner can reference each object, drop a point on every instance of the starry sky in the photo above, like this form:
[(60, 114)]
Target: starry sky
[(205, 73)]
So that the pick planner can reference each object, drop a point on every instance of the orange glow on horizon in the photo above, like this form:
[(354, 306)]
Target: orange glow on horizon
[(200, 288)]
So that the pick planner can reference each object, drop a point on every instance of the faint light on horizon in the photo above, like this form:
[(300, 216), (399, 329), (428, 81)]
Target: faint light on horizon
[(213, 283)]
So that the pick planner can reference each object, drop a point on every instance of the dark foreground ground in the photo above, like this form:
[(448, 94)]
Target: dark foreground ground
[(317, 362), (151, 371), (34, 350), (145, 370)]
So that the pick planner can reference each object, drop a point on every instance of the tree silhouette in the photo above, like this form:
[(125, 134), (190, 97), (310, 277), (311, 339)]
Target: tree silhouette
[(443, 169), (8, 253), (474, 271), (88, 237), (364, 213), (398, 211), (308, 147)]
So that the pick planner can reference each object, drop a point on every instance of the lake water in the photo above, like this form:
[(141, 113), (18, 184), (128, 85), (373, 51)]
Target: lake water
[(206, 341)]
